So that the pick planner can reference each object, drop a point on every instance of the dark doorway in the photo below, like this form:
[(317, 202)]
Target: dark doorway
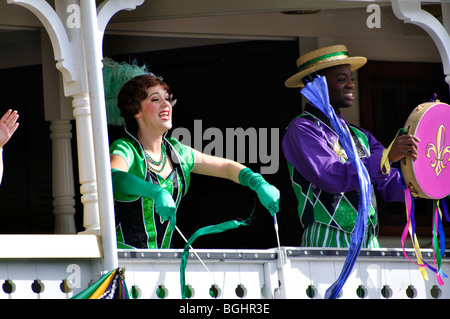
[(26, 190)]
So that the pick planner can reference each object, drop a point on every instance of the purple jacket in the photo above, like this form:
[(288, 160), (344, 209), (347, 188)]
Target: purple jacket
[(306, 148)]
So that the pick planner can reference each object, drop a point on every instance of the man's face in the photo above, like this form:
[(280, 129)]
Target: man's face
[(340, 86)]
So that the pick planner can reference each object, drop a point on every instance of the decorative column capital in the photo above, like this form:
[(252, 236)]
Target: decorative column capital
[(63, 49), (410, 11), (109, 8)]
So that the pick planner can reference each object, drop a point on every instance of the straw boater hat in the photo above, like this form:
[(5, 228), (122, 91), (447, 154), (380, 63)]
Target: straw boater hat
[(321, 59)]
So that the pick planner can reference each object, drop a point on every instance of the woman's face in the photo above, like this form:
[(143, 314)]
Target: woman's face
[(156, 110)]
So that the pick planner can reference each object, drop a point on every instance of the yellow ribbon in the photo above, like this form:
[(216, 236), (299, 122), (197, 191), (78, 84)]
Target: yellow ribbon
[(101, 290), (385, 164), (419, 258), (414, 240)]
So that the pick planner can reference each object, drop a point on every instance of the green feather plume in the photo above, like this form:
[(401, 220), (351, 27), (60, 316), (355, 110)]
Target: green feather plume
[(115, 75)]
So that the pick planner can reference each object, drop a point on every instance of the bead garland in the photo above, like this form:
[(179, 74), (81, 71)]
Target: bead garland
[(163, 160)]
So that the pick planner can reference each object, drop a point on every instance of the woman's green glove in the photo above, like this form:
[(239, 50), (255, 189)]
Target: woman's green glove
[(268, 194), (128, 184)]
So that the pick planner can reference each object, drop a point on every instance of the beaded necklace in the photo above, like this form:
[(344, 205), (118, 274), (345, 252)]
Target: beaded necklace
[(162, 160)]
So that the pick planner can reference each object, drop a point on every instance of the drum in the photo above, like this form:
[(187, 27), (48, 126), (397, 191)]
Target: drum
[(429, 175)]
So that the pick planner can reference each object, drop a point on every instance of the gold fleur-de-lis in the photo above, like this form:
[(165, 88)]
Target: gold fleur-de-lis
[(440, 150)]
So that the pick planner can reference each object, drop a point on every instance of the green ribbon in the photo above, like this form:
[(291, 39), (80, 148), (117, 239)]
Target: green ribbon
[(341, 54), (208, 230), (85, 294), (120, 293)]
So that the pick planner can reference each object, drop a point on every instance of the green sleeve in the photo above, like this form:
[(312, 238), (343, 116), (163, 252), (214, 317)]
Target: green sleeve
[(128, 184), (122, 148), (129, 150)]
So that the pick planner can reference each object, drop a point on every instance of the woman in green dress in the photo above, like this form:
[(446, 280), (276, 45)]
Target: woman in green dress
[(151, 172)]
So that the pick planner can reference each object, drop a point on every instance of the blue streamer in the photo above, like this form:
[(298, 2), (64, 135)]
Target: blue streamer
[(445, 209), (441, 238), (316, 92)]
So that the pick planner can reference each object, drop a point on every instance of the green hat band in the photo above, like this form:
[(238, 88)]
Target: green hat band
[(323, 59)]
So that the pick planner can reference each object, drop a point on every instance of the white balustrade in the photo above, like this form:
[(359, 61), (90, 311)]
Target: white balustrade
[(254, 274)]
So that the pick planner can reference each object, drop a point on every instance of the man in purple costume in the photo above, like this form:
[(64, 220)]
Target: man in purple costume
[(325, 183)]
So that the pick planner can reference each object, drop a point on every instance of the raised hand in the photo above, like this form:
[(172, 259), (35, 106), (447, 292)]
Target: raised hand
[(8, 125)]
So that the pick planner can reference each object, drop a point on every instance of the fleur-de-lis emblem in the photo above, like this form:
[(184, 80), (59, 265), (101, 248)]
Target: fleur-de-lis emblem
[(439, 150)]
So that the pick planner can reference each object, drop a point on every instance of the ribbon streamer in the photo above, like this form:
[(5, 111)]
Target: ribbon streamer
[(438, 239), (438, 244), (316, 92), (410, 227), (110, 286), (385, 165), (208, 230), (195, 253)]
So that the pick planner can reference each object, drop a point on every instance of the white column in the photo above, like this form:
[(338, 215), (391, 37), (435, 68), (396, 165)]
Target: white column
[(59, 113), (445, 8), (63, 183), (78, 55), (92, 30), (92, 54), (86, 163)]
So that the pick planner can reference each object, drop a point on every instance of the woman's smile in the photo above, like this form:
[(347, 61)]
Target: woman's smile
[(165, 115)]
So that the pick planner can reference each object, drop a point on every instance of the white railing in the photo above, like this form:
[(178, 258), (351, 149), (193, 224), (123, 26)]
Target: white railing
[(304, 273), (48, 266), (60, 266)]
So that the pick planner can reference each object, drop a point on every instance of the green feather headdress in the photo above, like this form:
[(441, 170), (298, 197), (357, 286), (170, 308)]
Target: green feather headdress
[(115, 75)]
